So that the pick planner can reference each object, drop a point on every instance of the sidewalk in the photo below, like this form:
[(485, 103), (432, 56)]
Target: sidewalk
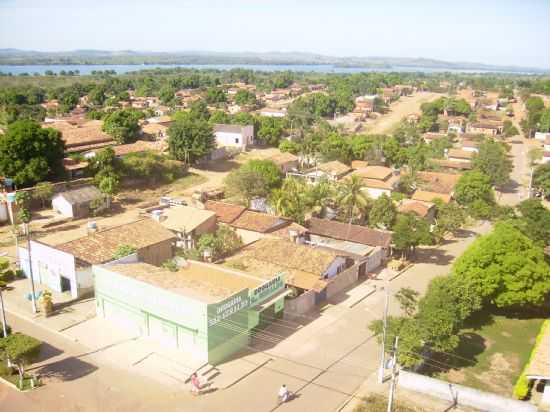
[(68, 314)]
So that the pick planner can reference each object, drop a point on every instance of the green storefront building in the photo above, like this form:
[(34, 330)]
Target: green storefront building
[(204, 309)]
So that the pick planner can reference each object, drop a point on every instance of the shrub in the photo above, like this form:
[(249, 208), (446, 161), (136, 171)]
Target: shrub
[(171, 265), (123, 250), (522, 386)]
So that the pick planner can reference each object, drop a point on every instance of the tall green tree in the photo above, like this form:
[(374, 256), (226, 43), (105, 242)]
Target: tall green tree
[(351, 198), (123, 125), (474, 191), (492, 160), (30, 153), (541, 179), (382, 213), (409, 232), (506, 268), (190, 138)]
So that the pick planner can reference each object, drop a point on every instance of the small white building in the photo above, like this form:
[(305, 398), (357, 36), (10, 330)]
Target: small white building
[(233, 135), (271, 112), (76, 203), (542, 136)]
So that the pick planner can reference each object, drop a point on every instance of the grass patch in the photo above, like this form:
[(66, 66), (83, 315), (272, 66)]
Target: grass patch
[(492, 352), (12, 376)]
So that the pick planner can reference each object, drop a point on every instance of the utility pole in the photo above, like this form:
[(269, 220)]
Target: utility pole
[(33, 297), (530, 184), (4, 326), (385, 323), (393, 372)]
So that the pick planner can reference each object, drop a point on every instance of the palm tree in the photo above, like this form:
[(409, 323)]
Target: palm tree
[(351, 197), (319, 197), (289, 201)]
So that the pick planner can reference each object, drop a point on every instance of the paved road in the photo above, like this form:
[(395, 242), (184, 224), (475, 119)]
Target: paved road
[(325, 358)]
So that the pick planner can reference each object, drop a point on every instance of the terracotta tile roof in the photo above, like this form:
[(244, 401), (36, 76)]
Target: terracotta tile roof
[(201, 281), (461, 154), (420, 208), (184, 218), (259, 222), (353, 233), (302, 265), (374, 172), (283, 157), (229, 128), (485, 126), (89, 147), (139, 147), (437, 182), (81, 195), (452, 164), (378, 184), (359, 164), (79, 135), (539, 365), (284, 232), (470, 143), (99, 247), (425, 196), (226, 212), (334, 168), (71, 164)]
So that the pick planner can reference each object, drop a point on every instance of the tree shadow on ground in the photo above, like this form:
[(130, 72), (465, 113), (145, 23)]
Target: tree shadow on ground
[(67, 369), (510, 187), (48, 351), (479, 320), (432, 256), (218, 166)]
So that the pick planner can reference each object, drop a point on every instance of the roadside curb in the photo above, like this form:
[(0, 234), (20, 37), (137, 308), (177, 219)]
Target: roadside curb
[(34, 322), (410, 265), (12, 385)]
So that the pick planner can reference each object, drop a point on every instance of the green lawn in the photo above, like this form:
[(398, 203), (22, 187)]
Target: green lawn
[(492, 352), (13, 377)]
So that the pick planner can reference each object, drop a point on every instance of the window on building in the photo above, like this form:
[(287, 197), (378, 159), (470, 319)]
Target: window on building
[(236, 140)]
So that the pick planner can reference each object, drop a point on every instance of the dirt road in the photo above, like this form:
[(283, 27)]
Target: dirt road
[(398, 110)]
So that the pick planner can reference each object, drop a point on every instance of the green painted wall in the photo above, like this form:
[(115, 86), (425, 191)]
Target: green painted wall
[(187, 316)]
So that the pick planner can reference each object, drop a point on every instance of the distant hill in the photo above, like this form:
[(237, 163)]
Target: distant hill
[(29, 57)]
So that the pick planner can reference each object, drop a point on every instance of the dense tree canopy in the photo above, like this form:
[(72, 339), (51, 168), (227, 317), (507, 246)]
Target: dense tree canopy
[(30, 153), (493, 161), (123, 125), (190, 138), (474, 191), (506, 268)]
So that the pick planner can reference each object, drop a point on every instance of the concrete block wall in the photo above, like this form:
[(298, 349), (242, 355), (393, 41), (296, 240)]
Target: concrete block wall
[(300, 305), (463, 395)]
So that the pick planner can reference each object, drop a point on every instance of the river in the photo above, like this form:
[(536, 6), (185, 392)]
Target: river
[(317, 68)]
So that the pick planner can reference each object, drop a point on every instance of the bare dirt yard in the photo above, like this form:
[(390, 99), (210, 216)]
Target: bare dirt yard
[(398, 110)]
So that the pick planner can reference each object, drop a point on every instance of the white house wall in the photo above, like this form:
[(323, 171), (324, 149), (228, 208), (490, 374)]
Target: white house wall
[(375, 193), (60, 205), (48, 265)]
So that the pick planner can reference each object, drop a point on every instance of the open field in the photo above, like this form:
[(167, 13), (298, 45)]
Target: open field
[(398, 110), (492, 352)]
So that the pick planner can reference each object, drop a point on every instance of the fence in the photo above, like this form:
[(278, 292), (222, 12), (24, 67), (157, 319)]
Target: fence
[(299, 305), (461, 395), (343, 280)]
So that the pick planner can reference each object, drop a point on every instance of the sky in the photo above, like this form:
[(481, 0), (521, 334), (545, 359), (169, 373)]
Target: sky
[(504, 32)]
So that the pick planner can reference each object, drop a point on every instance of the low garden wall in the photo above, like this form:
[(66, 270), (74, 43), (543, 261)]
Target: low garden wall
[(461, 395)]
